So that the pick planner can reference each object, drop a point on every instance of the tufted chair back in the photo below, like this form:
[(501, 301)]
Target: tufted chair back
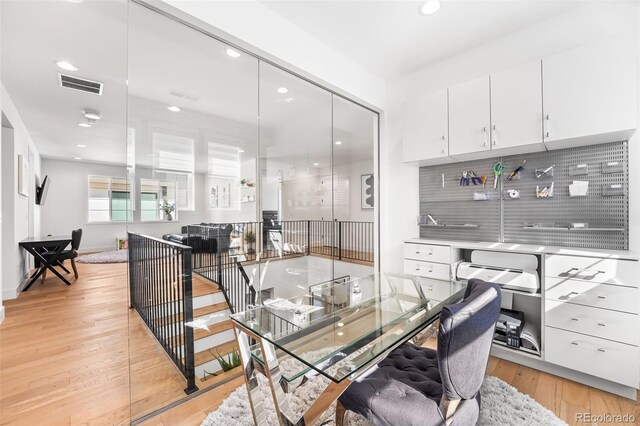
[(464, 339)]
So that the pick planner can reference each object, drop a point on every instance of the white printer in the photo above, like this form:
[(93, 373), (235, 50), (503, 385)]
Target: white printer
[(513, 271)]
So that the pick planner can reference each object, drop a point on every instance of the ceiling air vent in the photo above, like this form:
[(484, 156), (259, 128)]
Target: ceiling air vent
[(80, 84)]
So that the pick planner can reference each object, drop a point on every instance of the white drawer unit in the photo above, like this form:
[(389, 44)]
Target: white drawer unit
[(619, 326), (617, 362), (427, 252), (438, 271), (606, 296), (437, 291), (599, 270)]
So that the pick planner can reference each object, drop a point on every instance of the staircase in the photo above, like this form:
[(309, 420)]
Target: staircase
[(212, 332)]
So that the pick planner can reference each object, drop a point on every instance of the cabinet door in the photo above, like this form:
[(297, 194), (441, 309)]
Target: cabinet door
[(425, 134), (590, 90), (469, 117), (516, 106)]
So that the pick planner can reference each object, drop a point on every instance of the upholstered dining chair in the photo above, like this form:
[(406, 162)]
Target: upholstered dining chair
[(71, 254), (418, 386)]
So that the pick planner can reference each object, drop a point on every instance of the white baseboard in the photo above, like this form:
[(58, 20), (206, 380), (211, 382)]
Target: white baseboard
[(1, 313), (86, 250)]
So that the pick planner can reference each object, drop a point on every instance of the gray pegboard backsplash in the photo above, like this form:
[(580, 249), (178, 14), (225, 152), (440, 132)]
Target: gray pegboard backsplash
[(503, 219)]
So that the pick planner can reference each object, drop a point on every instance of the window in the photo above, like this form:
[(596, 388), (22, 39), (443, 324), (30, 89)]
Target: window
[(153, 193), (109, 199), (175, 163), (224, 160)]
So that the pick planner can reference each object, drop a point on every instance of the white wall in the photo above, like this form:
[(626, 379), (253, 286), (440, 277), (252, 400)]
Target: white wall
[(400, 182), (15, 208)]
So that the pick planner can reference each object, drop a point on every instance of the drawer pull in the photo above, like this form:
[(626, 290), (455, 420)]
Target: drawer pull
[(601, 324), (428, 253), (574, 319), (602, 297), (588, 273), (601, 350), (574, 343)]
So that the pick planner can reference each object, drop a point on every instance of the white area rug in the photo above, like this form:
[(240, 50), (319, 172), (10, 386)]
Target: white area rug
[(502, 404), (114, 256)]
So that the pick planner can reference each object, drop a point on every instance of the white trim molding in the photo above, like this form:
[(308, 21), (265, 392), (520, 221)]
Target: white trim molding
[(1, 314)]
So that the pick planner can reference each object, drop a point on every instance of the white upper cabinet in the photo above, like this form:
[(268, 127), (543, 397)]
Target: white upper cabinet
[(516, 108), (590, 93), (426, 135), (469, 117)]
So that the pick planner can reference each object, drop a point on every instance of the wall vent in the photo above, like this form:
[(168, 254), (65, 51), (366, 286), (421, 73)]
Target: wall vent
[(80, 84)]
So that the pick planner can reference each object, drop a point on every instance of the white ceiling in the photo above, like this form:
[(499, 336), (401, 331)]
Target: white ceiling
[(390, 38), (92, 36)]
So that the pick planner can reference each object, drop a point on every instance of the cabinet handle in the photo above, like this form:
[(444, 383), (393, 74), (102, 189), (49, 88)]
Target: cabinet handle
[(602, 297), (444, 141), (546, 126), (601, 350), (494, 136), (484, 136), (574, 343), (574, 319), (601, 324)]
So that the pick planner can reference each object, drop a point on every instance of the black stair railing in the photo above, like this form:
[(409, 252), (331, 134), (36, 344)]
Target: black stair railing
[(222, 250), (161, 292)]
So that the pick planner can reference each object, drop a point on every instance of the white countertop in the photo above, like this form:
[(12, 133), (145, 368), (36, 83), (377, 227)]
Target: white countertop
[(531, 248)]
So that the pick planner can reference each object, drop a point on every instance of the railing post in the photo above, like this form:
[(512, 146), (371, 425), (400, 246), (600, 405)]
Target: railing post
[(188, 318), (130, 266), (340, 240), (308, 237)]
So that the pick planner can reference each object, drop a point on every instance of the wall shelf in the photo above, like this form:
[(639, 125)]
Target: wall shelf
[(566, 228), (460, 225)]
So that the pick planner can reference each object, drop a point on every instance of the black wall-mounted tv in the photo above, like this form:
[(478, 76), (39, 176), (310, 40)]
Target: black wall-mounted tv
[(41, 191)]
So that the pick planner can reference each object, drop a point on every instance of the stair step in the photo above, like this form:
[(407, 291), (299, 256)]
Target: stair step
[(213, 329), (212, 380), (201, 287), (200, 312), (207, 355)]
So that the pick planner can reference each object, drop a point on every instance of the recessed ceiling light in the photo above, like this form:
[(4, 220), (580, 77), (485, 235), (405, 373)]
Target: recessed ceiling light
[(77, 158), (316, 164), (84, 124), (80, 145), (91, 115), (173, 108), (429, 7), (232, 53), (283, 90), (338, 142), (66, 66)]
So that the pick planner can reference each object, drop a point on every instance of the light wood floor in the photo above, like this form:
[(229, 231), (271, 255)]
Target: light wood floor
[(64, 359)]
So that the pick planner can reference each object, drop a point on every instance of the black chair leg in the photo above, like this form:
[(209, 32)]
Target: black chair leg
[(58, 263)]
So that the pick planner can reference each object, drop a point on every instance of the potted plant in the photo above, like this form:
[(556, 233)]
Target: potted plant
[(168, 208), (243, 182), (250, 238), (232, 361)]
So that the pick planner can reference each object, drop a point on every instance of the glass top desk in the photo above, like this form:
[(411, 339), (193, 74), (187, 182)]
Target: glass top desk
[(338, 330)]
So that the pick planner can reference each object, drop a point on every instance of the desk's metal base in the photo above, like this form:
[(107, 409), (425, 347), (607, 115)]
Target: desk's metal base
[(271, 370)]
